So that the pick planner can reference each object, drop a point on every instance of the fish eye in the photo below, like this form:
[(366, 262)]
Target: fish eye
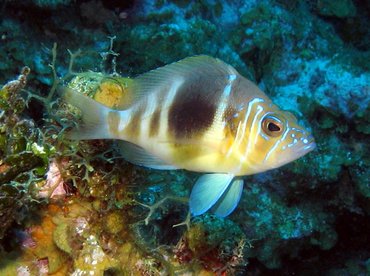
[(272, 126)]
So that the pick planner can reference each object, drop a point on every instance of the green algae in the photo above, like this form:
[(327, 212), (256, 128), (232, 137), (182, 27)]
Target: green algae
[(21, 164)]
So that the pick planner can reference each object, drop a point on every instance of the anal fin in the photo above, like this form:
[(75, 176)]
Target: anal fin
[(139, 156)]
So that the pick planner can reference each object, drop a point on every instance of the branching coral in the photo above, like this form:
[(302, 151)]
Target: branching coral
[(159, 204)]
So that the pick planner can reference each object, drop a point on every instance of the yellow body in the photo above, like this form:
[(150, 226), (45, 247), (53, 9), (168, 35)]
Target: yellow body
[(197, 114), (233, 141)]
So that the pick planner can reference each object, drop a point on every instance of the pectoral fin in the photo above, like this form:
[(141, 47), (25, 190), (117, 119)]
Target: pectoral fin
[(230, 199), (208, 189)]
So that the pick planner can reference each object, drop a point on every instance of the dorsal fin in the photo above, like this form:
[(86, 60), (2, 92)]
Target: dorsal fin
[(163, 77)]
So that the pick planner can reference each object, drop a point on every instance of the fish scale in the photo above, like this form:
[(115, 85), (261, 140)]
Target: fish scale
[(199, 114)]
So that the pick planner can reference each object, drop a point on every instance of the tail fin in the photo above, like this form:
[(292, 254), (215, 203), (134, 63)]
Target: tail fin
[(94, 123)]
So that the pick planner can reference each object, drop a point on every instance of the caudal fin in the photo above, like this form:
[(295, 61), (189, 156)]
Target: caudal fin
[(94, 123)]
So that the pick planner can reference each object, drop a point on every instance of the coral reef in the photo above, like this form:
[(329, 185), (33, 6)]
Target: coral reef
[(23, 156), (343, 8), (78, 208)]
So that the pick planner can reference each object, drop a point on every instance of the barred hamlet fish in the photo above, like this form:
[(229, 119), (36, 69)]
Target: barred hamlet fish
[(199, 114)]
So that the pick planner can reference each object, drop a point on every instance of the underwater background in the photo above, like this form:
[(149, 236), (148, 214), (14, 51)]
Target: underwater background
[(78, 208)]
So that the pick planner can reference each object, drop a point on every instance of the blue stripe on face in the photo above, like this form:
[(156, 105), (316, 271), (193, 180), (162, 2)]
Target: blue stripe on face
[(278, 142)]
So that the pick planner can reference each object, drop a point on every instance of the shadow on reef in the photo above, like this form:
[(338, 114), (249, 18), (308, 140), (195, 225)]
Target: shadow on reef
[(349, 20), (352, 232)]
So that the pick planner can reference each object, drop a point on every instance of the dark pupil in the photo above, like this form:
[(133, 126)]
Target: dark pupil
[(273, 127)]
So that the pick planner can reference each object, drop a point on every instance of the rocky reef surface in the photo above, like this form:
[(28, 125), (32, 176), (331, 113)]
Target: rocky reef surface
[(78, 208)]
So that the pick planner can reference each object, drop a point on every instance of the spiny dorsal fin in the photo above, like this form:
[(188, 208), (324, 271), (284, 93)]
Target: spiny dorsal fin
[(162, 78)]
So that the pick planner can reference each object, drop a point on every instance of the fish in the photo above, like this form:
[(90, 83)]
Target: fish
[(201, 115)]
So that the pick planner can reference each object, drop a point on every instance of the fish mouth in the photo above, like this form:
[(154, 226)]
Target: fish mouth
[(306, 148), (309, 147), (297, 153)]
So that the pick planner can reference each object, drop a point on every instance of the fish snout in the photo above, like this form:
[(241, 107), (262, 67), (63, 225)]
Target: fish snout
[(306, 145)]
